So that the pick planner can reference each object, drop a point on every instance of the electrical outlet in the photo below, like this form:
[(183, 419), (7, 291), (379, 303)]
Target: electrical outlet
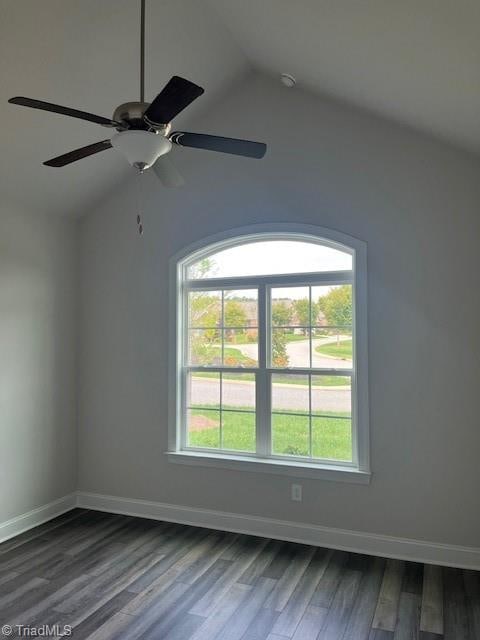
[(297, 492)]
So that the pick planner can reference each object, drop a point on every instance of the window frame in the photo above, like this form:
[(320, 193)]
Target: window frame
[(356, 471)]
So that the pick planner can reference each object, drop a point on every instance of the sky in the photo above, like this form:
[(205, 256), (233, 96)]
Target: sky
[(277, 257)]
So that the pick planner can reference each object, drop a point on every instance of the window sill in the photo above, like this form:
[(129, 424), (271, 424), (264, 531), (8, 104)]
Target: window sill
[(277, 467)]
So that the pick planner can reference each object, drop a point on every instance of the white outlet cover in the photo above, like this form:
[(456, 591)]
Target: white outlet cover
[(297, 492)]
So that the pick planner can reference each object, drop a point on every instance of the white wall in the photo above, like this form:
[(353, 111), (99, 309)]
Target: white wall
[(38, 268), (417, 204)]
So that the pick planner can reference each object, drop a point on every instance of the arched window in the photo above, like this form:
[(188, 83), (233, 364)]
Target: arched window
[(269, 353)]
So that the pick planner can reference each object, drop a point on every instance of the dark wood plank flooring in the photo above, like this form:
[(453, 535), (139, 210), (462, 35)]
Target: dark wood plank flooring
[(116, 577)]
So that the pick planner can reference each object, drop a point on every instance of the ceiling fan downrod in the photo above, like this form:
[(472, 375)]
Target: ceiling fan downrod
[(142, 51)]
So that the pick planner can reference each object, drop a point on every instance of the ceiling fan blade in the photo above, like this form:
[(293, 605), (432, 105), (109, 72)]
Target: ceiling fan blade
[(167, 173), (218, 143), (78, 154), (177, 94), (64, 111)]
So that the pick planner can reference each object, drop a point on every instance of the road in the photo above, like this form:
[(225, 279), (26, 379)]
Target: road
[(286, 396), (298, 353)]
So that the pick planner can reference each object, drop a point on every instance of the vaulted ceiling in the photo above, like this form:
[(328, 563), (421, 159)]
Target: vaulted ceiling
[(417, 61), (414, 61)]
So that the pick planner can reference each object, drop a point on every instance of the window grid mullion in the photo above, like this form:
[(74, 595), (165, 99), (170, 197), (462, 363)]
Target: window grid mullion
[(262, 392), (222, 338), (310, 328), (356, 454), (222, 331), (221, 411), (184, 357), (281, 280), (183, 404), (310, 338), (267, 296), (310, 415)]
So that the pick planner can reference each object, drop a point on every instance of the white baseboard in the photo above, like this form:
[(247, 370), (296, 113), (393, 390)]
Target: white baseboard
[(33, 518), (355, 541)]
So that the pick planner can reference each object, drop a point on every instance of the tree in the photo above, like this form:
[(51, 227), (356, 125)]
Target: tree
[(204, 315), (336, 305), (304, 315), (302, 311), (202, 268), (315, 312), (281, 314), (204, 310), (279, 348), (234, 315)]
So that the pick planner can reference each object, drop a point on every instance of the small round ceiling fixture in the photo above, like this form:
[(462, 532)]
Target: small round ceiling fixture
[(288, 80)]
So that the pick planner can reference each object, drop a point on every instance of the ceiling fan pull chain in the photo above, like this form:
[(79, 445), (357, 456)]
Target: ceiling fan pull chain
[(139, 203)]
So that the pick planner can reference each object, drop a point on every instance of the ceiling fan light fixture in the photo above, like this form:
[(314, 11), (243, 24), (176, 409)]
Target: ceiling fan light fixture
[(141, 148)]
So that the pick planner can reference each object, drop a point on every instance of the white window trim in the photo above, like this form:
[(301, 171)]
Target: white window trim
[(359, 472)]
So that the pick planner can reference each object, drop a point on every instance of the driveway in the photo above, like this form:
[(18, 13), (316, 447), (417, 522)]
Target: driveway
[(299, 356)]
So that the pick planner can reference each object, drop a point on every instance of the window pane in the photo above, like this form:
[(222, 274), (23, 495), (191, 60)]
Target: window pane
[(332, 349), (332, 438), (271, 257), (290, 392), (330, 381), (203, 428), (238, 431), (204, 347), (290, 306), (240, 308), (240, 347), (238, 391), (204, 309), (332, 306), (290, 348), (203, 390), (290, 435), (328, 399)]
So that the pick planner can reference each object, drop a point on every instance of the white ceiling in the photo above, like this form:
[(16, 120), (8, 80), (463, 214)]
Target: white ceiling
[(416, 61)]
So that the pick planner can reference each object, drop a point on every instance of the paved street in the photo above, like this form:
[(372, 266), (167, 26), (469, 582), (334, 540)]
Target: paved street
[(286, 396), (298, 353)]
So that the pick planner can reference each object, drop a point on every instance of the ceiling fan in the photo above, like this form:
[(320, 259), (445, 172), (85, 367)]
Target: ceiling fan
[(144, 129)]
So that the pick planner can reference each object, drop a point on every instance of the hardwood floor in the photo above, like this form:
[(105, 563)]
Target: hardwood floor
[(111, 576)]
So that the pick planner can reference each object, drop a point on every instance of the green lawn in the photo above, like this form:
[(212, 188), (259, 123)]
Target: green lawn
[(232, 357), (293, 337), (317, 380), (297, 337), (241, 338), (341, 350), (331, 436)]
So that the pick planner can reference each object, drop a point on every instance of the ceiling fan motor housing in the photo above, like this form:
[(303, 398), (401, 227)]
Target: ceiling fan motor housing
[(132, 114), (141, 148)]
